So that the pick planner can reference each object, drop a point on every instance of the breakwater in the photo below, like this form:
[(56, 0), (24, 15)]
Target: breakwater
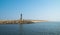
[(14, 21), (20, 21)]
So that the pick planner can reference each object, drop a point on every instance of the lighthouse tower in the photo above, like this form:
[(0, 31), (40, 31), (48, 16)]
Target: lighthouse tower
[(21, 17)]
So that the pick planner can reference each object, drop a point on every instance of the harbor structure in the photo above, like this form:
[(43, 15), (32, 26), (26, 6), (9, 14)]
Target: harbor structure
[(20, 21)]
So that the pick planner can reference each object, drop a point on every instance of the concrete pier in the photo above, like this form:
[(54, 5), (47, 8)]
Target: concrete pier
[(14, 21), (20, 22)]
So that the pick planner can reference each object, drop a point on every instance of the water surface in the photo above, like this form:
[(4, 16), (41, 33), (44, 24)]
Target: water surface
[(42, 28)]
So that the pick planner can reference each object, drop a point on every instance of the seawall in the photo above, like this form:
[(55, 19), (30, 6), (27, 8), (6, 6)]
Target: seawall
[(20, 22)]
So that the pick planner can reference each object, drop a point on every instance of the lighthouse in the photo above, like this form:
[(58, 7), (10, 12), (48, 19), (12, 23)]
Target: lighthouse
[(21, 17)]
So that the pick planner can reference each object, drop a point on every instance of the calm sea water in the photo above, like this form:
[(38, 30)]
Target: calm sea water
[(42, 28)]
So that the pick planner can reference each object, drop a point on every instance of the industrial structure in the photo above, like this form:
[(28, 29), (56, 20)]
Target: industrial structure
[(21, 21), (15, 21)]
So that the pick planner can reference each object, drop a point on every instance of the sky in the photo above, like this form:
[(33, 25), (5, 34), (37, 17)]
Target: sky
[(31, 9)]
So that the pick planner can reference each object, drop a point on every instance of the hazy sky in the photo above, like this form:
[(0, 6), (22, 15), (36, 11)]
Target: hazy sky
[(31, 9)]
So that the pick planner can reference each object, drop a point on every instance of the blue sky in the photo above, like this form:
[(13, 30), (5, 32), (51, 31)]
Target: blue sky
[(31, 9)]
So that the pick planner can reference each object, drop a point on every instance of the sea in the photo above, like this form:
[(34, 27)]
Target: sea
[(39, 28)]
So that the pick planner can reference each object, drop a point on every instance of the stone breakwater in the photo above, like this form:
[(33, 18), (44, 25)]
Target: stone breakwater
[(14, 21), (19, 21)]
